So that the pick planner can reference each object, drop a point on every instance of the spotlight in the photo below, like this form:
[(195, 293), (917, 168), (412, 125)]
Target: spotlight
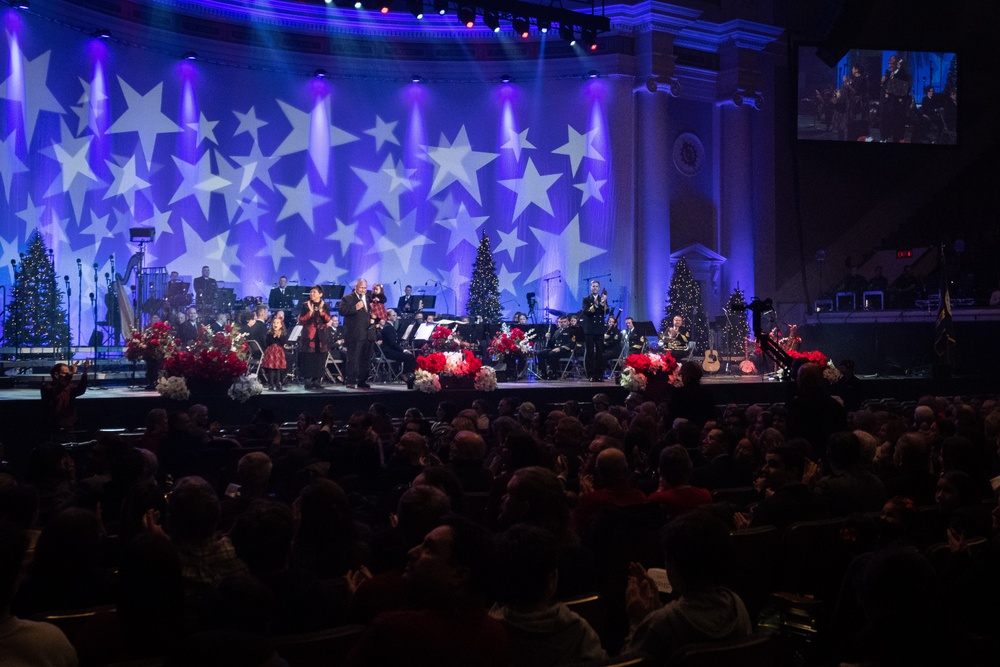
[(357, 4), (543, 25), (20, 4), (417, 9), (441, 7), (320, 73), (190, 55), (383, 6), (102, 34), (505, 78), (329, 2), (589, 38), (492, 21), (416, 78), (593, 74), (521, 26), (566, 33), (467, 16)]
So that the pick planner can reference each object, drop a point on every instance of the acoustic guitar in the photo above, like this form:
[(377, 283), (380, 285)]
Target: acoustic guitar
[(710, 364)]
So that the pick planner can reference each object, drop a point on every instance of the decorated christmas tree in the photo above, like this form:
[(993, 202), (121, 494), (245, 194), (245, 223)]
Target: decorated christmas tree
[(35, 316), (484, 291), (684, 299), (737, 325)]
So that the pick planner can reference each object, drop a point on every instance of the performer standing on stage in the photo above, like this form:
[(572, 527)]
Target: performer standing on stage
[(359, 334), (407, 303), (205, 289), (274, 362), (595, 309), (59, 396), (313, 341), (378, 302), (281, 296)]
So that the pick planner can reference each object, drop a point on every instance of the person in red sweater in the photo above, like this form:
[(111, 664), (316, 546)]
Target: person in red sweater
[(449, 574), (675, 495)]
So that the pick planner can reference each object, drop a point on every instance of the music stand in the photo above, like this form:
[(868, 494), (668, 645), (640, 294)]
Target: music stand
[(331, 291), (293, 335), (428, 302), (646, 330), (424, 331)]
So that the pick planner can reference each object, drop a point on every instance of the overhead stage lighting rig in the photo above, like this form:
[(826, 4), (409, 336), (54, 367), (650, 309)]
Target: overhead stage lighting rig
[(521, 15)]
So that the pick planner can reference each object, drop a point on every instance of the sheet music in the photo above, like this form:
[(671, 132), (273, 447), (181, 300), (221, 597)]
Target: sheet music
[(293, 336)]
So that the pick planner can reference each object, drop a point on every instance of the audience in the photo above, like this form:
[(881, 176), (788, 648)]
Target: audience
[(344, 521)]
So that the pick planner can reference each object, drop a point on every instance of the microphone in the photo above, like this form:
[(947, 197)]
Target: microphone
[(95, 265), (91, 296), (107, 276), (66, 278), (13, 262)]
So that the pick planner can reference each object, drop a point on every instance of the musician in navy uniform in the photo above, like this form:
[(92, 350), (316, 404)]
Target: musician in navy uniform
[(636, 341), (205, 289), (557, 345), (408, 304), (393, 351), (612, 342), (280, 297), (595, 310)]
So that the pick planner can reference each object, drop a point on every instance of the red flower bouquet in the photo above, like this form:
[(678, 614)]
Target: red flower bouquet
[(153, 343)]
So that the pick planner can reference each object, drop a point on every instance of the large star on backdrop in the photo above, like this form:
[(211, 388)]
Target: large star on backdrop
[(345, 234), (205, 129), (72, 155), (401, 238), (463, 227), (517, 142), (531, 188), (126, 183), (577, 147), (89, 108), (215, 252), (9, 250), (457, 162), (509, 243), (198, 180), (574, 253), (31, 214), (383, 133), (10, 163), (328, 271), (382, 186), (39, 97), (143, 115), (275, 249), (256, 165), (298, 139), (249, 123), (505, 279), (250, 211), (300, 199), (591, 189)]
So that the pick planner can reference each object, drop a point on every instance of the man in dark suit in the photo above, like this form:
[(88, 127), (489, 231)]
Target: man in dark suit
[(393, 351), (595, 310), (205, 289), (408, 304), (187, 327), (280, 297), (358, 335)]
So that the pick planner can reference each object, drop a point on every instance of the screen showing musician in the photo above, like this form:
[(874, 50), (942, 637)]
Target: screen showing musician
[(873, 96)]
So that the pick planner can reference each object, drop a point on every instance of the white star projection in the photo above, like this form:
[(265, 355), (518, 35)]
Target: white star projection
[(205, 129), (345, 235), (517, 142), (505, 278), (39, 97), (256, 165), (563, 251), (250, 211), (383, 186), (298, 139), (10, 163), (89, 108), (531, 188), (591, 189), (276, 249), (405, 230), (216, 252), (509, 243), (463, 227), (249, 123), (198, 181), (126, 183), (301, 200), (457, 162), (578, 147), (142, 114), (383, 132)]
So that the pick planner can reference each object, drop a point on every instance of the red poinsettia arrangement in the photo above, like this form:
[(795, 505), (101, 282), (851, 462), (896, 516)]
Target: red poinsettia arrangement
[(651, 363), (214, 356), (815, 357), (508, 342), (450, 363), (153, 343)]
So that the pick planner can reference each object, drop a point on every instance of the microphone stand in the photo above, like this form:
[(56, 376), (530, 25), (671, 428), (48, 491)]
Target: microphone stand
[(69, 322), (79, 305), (93, 306)]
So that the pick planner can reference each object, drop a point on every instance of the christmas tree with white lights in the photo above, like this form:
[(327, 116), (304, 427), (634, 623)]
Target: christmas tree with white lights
[(684, 299), (35, 317), (484, 291), (737, 329)]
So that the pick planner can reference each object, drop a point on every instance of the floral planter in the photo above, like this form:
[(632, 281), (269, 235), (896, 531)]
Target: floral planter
[(458, 383), (658, 387), (201, 388)]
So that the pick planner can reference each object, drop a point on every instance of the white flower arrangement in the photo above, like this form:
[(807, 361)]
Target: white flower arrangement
[(175, 388), (486, 379), (632, 379), (245, 387), (429, 383)]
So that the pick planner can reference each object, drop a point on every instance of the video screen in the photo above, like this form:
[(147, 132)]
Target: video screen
[(908, 97)]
